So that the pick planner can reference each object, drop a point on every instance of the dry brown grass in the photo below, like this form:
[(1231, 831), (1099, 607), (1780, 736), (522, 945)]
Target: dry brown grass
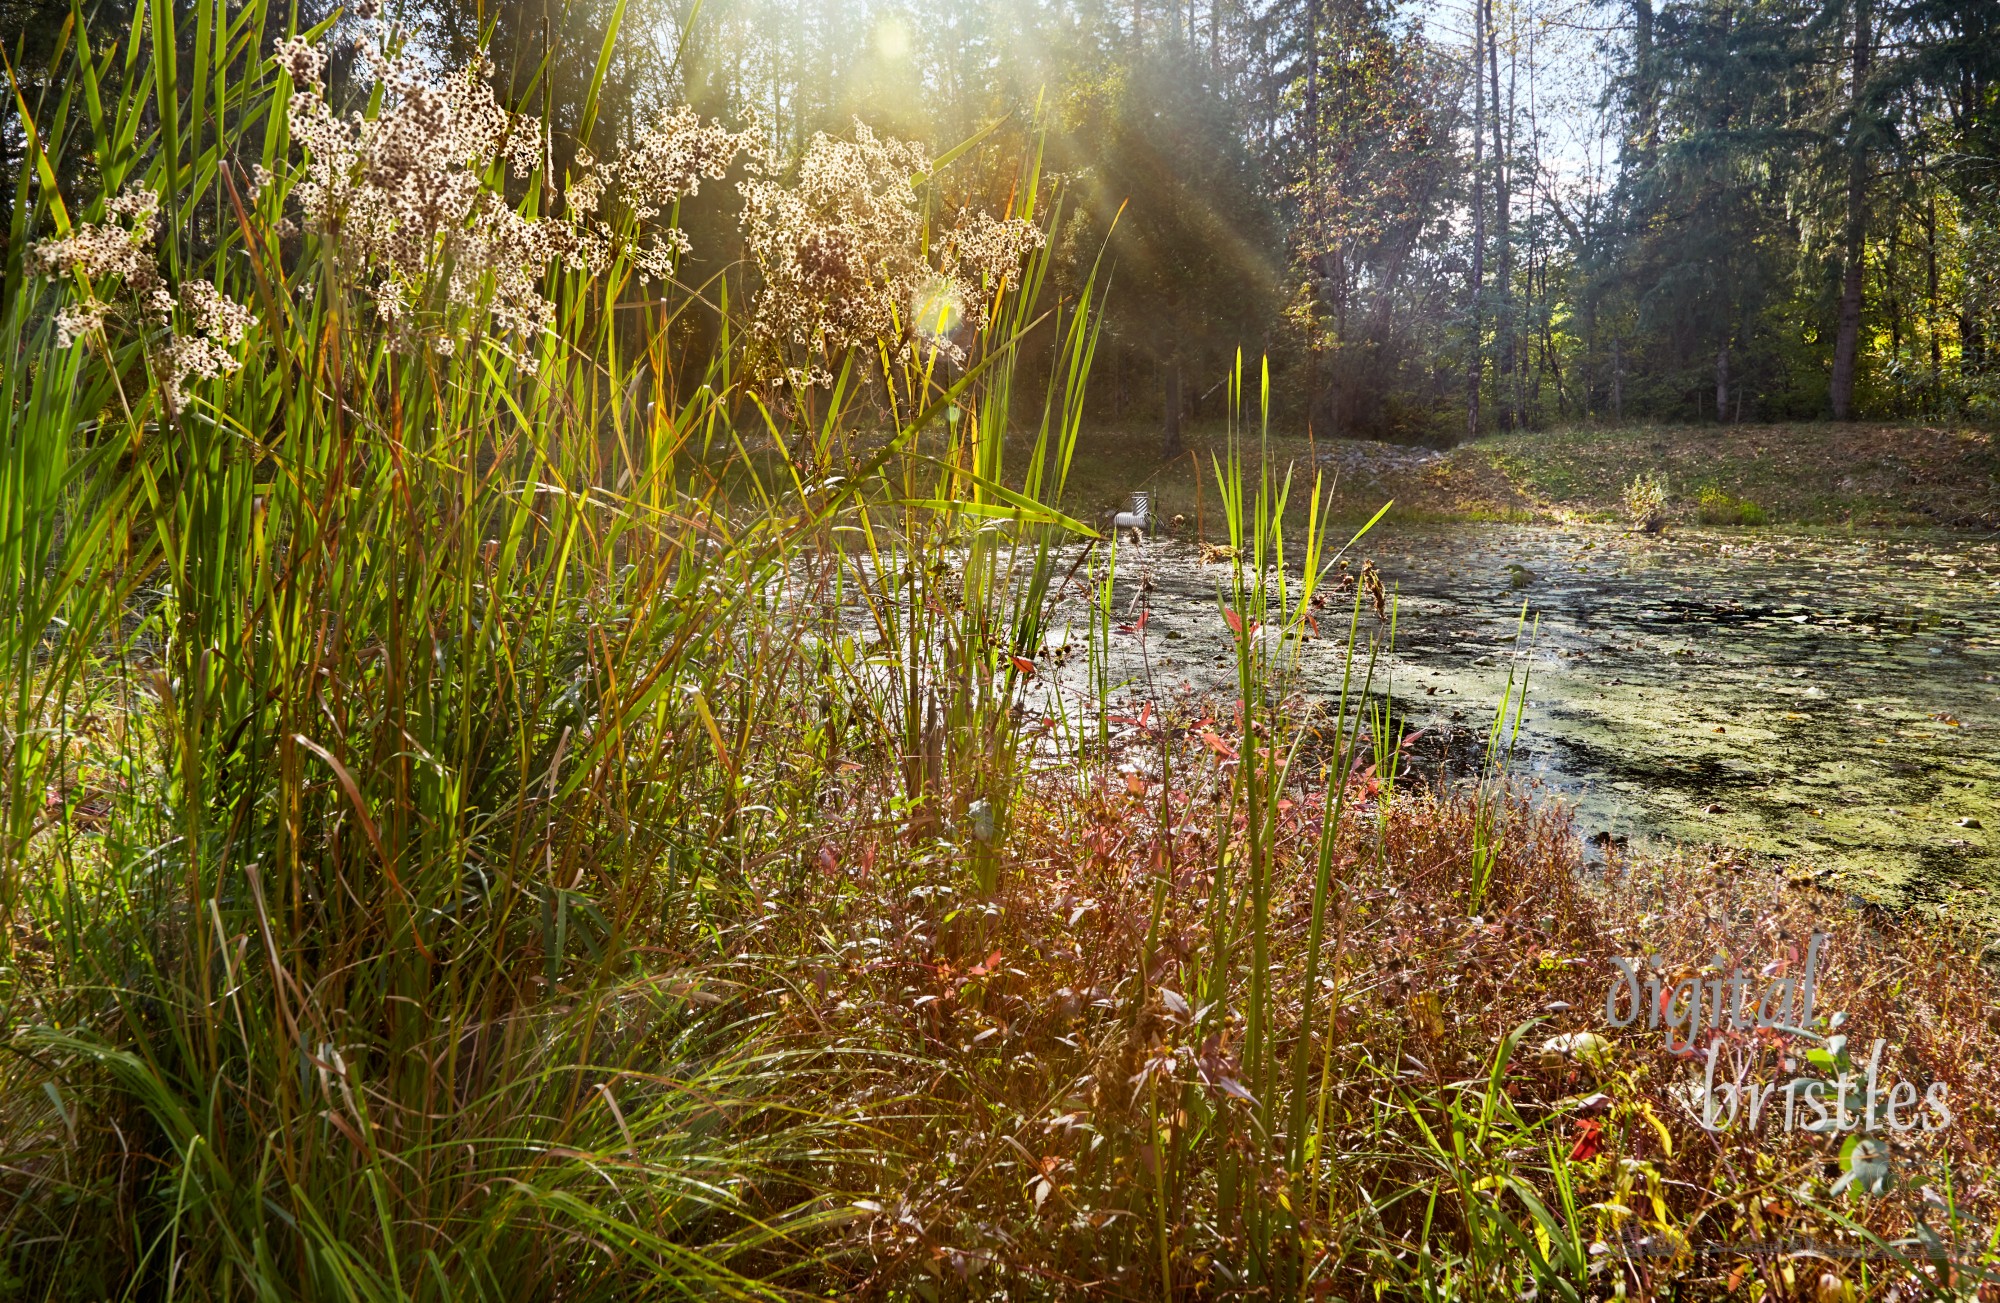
[(1043, 1109)]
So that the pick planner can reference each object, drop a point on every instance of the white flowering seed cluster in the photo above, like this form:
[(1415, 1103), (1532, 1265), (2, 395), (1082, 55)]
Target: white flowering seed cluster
[(842, 262), (404, 195), (95, 255), (407, 205), (666, 163), (219, 325)]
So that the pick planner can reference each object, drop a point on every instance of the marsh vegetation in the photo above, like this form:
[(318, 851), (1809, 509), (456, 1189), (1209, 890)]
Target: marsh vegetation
[(530, 773)]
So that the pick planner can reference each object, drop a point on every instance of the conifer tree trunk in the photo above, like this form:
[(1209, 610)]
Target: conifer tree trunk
[(1587, 371), (1722, 383), (1617, 383), (1645, 87), (1473, 365), (1931, 307), (1312, 209), (1503, 279), (1847, 339)]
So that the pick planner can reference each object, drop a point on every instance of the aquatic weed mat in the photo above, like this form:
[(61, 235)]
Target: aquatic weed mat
[(1825, 699)]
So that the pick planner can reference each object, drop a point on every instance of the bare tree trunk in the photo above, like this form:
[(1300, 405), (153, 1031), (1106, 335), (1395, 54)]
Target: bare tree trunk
[(1587, 372), (1847, 340), (1170, 429), (1722, 384), (1931, 307), (1617, 383), (1312, 206), (1474, 364)]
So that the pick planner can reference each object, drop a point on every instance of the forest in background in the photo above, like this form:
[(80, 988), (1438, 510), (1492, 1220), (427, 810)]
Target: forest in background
[(1437, 221)]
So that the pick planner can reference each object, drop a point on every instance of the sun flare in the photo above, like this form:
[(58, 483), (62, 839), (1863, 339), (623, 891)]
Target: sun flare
[(892, 38), (938, 311)]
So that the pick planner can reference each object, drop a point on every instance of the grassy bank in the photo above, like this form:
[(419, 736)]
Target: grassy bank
[(1817, 474), (454, 849)]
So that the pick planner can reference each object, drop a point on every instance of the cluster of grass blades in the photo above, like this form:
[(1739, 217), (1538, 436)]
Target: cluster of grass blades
[(1277, 1184), (1260, 1176), (387, 729)]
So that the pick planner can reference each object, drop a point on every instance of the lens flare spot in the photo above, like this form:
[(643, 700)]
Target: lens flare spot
[(892, 38), (937, 311)]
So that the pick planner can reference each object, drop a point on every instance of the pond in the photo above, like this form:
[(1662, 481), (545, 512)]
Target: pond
[(1829, 700)]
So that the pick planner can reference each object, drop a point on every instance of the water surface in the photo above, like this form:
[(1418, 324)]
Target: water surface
[(1827, 699)]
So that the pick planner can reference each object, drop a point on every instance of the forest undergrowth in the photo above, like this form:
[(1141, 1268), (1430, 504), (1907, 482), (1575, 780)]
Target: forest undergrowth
[(504, 803)]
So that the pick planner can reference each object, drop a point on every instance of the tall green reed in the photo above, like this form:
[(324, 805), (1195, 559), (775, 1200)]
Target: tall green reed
[(395, 734), (953, 571), (1490, 791), (1268, 612)]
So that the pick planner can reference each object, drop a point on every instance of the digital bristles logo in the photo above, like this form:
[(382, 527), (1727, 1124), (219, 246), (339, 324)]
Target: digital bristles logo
[(1736, 1023)]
